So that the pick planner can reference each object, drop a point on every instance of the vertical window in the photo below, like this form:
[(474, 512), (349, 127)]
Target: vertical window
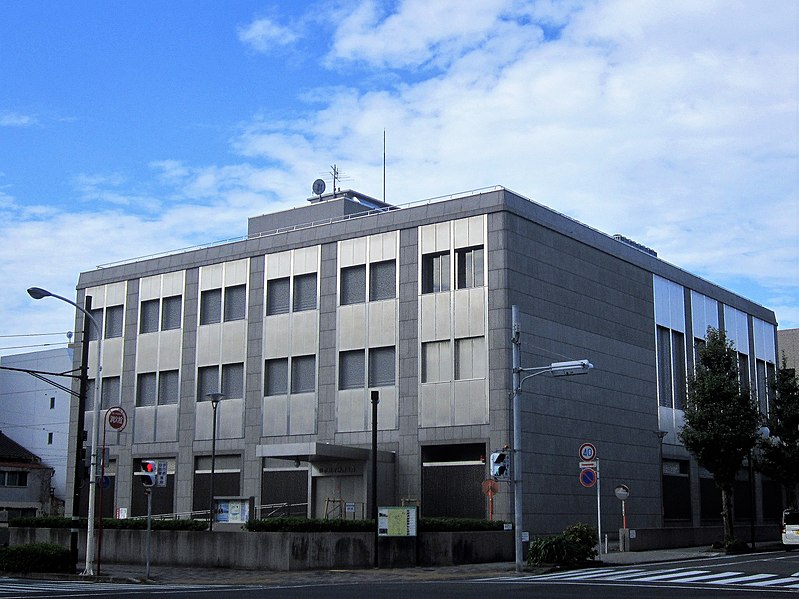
[(435, 272), (678, 368), (146, 390), (305, 292), (743, 370), (171, 312), (381, 367), (277, 377), (207, 381), (351, 369), (168, 388), (277, 296), (664, 367), (353, 285), (303, 374), (97, 314), (113, 321), (233, 381), (49, 438), (470, 356), (235, 302), (469, 267), (148, 321), (109, 392), (52, 403), (435, 362), (211, 306), (382, 280)]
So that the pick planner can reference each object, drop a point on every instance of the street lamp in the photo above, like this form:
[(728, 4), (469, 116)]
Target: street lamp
[(215, 398), (38, 293), (573, 367)]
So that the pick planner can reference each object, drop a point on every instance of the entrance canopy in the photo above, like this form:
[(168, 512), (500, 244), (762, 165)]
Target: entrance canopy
[(319, 452)]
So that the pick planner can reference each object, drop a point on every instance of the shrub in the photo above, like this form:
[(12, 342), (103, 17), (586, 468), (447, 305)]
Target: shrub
[(109, 523), (575, 545), (297, 524), (36, 557), (458, 524)]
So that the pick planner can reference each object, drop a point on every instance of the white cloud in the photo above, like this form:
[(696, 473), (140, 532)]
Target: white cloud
[(262, 35), (15, 119)]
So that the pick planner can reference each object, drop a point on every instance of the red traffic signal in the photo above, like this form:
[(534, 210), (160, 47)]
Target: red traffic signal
[(148, 472)]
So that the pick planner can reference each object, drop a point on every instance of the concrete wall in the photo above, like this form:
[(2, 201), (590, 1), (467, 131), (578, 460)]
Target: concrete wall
[(284, 550), (669, 538)]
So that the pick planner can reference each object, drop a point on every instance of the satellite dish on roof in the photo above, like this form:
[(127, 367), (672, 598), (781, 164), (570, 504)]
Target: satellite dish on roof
[(319, 187)]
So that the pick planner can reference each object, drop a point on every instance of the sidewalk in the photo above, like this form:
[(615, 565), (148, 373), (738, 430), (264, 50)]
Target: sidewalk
[(227, 576)]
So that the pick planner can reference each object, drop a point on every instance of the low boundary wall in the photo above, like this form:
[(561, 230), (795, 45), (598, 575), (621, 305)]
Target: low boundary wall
[(284, 550)]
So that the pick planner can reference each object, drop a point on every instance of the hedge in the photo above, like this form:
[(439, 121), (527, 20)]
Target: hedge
[(36, 557)]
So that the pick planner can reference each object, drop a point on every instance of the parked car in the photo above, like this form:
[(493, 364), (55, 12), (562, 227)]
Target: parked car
[(790, 529)]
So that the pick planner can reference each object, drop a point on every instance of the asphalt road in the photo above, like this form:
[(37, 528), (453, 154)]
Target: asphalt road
[(773, 574)]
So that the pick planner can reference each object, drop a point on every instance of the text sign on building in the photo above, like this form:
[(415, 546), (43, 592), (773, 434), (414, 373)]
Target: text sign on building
[(160, 477), (396, 521)]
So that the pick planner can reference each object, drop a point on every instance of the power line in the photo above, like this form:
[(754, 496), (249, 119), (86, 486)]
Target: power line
[(35, 334)]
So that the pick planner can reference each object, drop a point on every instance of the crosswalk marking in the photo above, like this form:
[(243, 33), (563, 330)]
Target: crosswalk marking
[(665, 575), (708, 577)]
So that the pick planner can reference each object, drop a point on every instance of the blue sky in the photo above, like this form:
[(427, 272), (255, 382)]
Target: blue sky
[(128, 129)]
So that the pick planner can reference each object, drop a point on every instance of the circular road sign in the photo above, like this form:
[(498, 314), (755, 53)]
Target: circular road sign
[(117, 419), (490, 487), (588, 477), (587, 452), (622, 492)]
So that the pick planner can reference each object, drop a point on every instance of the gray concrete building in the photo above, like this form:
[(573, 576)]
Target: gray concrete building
[(318, 306)]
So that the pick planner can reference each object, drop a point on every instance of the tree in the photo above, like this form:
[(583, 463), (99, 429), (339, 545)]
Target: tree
[(779, 454), (721, 418)]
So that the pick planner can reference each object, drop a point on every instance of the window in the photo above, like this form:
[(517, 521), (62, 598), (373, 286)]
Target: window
[(235, 302), (435, 362), (382, 280), (381, 367), (435, 272), (469, 267), (211, 306), (351, 369), (470, 358), (303, 374), (171, 312), (233, 381), (277, 377), (52, 403), (146, 390), (353, 285), (305, 292), (97, 314), (148, 321), (113, 321), (671, 368), (168, 388), (207, 381), (13, 479), (277, 296), (109, 391), (743, 370), (49, 438)]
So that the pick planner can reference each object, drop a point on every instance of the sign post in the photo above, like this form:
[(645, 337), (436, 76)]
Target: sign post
[(589, 477)]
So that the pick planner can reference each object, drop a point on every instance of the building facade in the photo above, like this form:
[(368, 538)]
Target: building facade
[(319, 306), (36, 412)]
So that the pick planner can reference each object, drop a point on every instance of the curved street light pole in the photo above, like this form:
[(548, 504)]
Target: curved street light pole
[(39, 293), (520, 375)]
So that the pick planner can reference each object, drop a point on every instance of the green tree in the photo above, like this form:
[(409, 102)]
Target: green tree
[(779, 453), (721, 418)]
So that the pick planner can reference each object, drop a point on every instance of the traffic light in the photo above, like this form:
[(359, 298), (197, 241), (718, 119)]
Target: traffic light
[(148, 473), (500, 464)]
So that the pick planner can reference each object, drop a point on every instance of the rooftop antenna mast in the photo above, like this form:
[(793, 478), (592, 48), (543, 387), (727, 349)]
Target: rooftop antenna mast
[(334, 172)]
